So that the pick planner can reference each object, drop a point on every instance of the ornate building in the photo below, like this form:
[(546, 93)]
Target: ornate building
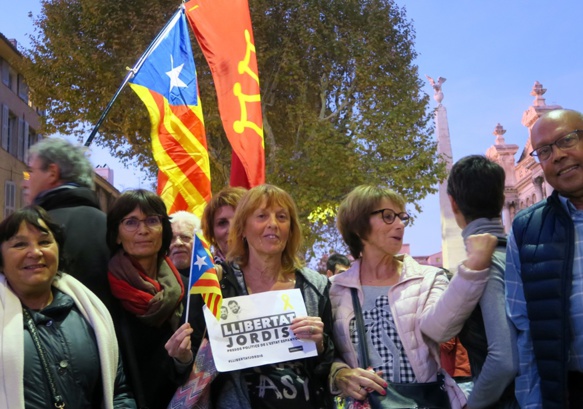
[(525, 184)]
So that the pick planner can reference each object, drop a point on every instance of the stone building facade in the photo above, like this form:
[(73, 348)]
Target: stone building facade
[(20, 124), (525, 184)]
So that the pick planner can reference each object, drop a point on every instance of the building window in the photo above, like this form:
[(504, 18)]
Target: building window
[(32, 138), (9, 76), (9, 198), (22, 139), (12, 135), (22, 89), (5, 71)]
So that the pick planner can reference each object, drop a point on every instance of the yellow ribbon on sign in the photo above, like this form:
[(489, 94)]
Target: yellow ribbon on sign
[(287, 304)]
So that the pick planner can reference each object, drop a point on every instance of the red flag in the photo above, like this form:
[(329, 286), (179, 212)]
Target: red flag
[(223, 31), (166, 82)]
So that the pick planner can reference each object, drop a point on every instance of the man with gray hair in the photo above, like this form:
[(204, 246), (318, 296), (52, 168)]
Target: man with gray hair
[(61, 182), (184, 226)]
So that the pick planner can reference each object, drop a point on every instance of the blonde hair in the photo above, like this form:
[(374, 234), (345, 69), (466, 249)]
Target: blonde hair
[(270, 196)]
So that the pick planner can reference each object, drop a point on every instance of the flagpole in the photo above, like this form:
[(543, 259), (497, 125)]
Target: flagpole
[(132, 71), (192, 256)]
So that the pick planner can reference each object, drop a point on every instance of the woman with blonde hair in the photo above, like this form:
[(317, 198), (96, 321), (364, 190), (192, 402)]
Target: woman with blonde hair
[(264, 255)]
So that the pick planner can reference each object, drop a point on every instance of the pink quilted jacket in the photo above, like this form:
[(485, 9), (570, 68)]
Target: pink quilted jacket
[(427, 311)]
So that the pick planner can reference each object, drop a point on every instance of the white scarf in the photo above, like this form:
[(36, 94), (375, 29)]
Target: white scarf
[(12, 339)]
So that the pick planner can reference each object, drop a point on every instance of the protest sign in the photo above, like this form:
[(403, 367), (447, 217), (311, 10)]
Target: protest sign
[(254, 330)]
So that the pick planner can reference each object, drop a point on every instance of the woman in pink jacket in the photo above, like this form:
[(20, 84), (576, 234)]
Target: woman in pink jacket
[(405, 305)]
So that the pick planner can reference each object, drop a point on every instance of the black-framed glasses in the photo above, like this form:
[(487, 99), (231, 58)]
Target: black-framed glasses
[(564, 143), (132, 223), (389, 216)]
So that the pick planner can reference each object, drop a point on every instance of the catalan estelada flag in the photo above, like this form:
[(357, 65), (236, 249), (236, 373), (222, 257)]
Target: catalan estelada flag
[(223, 31), (165, 80), (203, 276)]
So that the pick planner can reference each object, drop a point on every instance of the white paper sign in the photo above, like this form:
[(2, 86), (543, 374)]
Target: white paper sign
[(254, 330)]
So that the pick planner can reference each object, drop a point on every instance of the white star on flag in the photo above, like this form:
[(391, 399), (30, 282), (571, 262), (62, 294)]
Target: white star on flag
[(200, 261), (174, 75)]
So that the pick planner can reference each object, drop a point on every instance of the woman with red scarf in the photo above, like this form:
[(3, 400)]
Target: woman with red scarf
[(156, 349)]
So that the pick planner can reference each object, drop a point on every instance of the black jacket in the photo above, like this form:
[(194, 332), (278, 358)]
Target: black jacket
[(317, 304), (152, 373), (71, 350), (77, 210)]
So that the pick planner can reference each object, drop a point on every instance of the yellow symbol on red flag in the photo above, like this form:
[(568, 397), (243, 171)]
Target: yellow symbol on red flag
[(223, 31)]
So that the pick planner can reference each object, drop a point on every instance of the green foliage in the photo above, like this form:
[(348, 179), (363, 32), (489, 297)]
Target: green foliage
[(342, 99)]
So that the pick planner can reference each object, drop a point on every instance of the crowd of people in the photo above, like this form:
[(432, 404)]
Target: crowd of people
[(94, 306)]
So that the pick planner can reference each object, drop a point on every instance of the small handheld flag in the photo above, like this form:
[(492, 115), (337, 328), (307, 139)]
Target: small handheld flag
[(203, 276)]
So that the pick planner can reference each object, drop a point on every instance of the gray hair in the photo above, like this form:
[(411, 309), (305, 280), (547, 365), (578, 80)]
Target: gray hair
[(74, 166), (186, 217)]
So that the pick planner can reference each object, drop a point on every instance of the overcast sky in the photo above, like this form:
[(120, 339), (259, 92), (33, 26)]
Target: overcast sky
[(491, 53)]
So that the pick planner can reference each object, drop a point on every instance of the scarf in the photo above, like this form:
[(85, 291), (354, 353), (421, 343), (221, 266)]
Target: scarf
[(153, 302), (12, 339)]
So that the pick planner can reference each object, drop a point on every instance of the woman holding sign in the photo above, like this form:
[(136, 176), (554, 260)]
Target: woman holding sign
[(156, 348), (404, 305), (264, 245)]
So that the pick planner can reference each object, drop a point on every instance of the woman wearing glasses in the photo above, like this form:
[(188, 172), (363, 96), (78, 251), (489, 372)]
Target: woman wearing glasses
[(404, 304), (155, 347)]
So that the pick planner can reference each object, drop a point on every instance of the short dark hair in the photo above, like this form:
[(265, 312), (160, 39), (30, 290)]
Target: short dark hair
[(150, 204), (477, 186), (336, 259), (31, 215)]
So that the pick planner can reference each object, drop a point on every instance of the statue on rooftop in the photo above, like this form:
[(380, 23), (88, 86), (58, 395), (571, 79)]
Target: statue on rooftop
[(438, 95)]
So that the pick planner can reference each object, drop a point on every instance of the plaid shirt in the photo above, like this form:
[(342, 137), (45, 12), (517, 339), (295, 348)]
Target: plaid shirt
[(528, 381)]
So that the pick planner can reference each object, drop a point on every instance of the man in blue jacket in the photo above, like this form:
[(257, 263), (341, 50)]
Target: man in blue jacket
[(544, 271)]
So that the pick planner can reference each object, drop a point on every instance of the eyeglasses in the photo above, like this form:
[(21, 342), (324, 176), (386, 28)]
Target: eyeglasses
[(389, 216), (132, 224), (564, 143)]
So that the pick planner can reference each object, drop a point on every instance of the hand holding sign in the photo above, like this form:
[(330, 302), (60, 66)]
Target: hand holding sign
[(264, 330), (309, 329)]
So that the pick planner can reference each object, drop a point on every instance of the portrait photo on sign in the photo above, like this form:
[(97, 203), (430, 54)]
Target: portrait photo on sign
[(253, 330)]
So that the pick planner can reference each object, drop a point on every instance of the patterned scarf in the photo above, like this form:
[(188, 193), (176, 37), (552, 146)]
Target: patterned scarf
[(153, 301)]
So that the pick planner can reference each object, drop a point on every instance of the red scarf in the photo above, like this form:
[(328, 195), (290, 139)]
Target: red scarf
[(154, 301)]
